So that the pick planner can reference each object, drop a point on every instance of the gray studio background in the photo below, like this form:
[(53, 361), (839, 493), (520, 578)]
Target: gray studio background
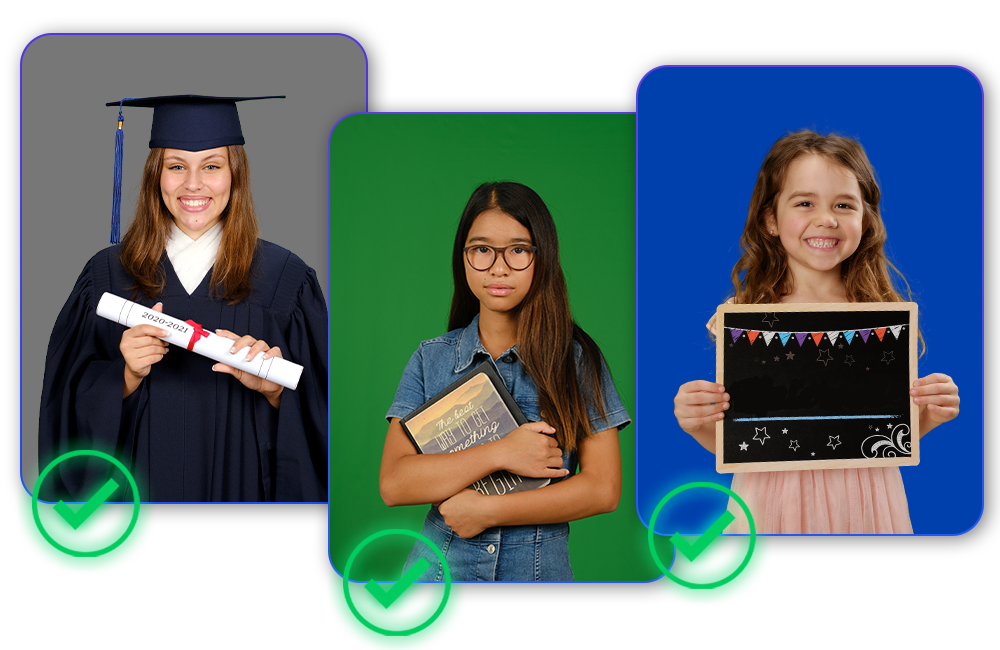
[(67, 153)]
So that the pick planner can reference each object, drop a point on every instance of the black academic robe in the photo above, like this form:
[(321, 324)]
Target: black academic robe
[(188, 433)]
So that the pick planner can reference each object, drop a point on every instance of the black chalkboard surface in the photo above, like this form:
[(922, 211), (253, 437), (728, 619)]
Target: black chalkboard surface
[(817, 386)]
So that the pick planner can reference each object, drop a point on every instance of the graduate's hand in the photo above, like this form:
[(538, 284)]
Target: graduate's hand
[(466, 512), (268, 389), (141, 349), (531, 450), (937, 396)]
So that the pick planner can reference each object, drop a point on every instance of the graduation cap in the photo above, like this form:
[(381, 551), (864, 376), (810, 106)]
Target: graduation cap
[(187, 122)]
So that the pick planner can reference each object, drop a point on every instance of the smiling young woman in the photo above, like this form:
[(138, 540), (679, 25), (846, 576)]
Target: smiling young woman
[(189, 430)]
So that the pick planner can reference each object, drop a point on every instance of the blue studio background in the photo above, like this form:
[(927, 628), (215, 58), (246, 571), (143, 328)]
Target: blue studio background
[(702, 133)]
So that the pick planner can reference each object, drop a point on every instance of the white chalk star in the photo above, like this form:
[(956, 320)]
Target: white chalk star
[(828, 358), (743, 446), (790, 355), (770, 321), (784, 430), (763, 432), (794, 446), (834, 441)]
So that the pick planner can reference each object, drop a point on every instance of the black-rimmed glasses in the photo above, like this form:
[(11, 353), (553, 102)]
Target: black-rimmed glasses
[(482, 257)]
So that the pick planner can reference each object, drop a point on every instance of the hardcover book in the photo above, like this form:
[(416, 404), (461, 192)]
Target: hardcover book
[(474, 410)]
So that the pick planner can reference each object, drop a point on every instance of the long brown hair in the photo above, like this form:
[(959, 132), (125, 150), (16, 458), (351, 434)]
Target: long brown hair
[(762, 276), (545, 326), (146, 240)]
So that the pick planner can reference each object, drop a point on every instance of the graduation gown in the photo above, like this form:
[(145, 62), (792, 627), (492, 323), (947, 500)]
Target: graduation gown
[(188, 433)]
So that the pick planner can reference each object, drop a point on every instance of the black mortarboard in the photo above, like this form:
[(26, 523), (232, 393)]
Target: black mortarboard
[(188, 122)]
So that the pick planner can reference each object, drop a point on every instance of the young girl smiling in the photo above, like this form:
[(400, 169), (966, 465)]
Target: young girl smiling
[(814, 235)]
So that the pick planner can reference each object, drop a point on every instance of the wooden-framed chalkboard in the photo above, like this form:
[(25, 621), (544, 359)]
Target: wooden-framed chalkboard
[(817, 386)]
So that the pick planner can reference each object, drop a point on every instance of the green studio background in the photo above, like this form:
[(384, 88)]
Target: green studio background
[(398, 183)]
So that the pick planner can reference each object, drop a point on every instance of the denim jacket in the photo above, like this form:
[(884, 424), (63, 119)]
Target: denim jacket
[(508, 553), (439, 362)]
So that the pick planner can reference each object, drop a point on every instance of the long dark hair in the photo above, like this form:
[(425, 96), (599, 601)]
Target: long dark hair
[(146, 239), (545, 326)]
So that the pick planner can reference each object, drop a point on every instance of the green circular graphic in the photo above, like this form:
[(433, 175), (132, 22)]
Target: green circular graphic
[(652, 536), (135, 499), (347, 582)]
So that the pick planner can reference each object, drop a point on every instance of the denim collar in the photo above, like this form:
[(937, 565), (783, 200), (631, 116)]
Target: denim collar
[(469, 346)]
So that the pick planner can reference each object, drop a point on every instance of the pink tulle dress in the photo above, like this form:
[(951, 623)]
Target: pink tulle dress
[(811, 502), (816, 502)]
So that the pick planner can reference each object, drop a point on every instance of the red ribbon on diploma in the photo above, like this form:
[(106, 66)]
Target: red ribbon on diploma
[(197, 334)]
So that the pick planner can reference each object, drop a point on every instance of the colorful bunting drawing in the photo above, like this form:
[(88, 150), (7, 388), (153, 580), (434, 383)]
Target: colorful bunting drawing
[(817, 337)]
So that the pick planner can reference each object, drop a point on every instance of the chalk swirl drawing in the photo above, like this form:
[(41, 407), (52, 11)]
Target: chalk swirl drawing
[(888, 445)]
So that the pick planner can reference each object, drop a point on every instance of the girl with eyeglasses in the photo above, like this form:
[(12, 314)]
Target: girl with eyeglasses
[(511, 307)]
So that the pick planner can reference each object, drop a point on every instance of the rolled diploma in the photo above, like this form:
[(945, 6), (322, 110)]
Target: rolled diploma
[(128, 313)]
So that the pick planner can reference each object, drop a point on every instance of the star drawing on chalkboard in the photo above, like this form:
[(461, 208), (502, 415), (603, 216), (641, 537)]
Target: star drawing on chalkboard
[(840, 346), (744, 445), (834, 441), (794, 446), (887, 357), (789, 355), (849, 360), (814, 453), (772, 320), (777, 358), (784, 430), (828, 358), (761, 432)]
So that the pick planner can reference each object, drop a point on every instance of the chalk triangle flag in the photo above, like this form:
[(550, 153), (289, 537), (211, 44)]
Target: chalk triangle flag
[(816, 337), (752, 334), (880, 331), (784, 336), (801, 337), (833, 336), (736, 333), (849, 335), (895, 330), (864, 334), (767, 337)]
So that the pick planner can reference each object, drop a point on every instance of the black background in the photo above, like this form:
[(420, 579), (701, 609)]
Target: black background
[(763, 382), (261, 575)]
